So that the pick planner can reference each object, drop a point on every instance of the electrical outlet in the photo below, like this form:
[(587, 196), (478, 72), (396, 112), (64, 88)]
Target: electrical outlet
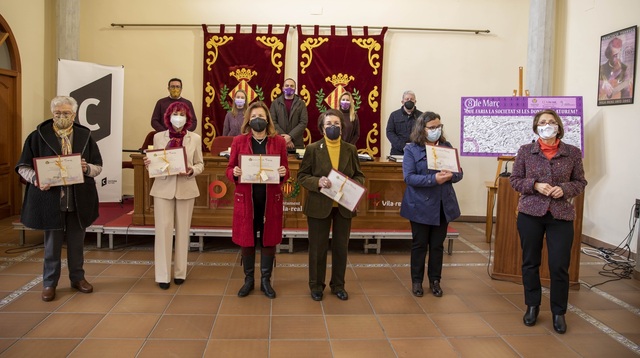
[(636, 212)]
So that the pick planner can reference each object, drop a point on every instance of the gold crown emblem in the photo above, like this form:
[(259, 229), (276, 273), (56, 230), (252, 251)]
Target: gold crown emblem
[(340, 79), (243, 74)]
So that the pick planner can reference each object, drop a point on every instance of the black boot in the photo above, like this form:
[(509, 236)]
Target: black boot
[(267, 258), (531, 315), (249, 265)]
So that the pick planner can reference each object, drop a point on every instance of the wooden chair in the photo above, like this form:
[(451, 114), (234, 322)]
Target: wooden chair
[(220, 144)]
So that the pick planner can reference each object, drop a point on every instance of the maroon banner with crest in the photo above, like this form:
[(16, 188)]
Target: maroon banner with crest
[(233, 60), (329, 65)]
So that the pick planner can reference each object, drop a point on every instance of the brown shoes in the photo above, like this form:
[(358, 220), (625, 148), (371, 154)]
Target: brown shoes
[(48, 294), (82, 286)]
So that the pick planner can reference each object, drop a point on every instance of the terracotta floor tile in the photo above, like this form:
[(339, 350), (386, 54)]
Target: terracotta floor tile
[(14, 282), (374, 273), (111, 284), (295, 306), (298, 327), (597, 345), (142, 303), (15, 325), (620, 320), (462, 324), (408, 326), (209, 273), (237, 348), (35, 348), (201, 287), (115, 348), (488, 303), (299, 349), (172, 348), (254, 304), (241, 327), (489, 347), (362, 348), (118, 325), (66, 325), (125, 270), (91, 303), (183, 327), (354, 327), (355, 305), (395, 305), (429, 347), (194, 304), (32, 301), (539, 346)]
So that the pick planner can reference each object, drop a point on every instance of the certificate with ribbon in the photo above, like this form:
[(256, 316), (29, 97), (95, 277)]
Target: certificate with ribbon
[(59, 170), (164, 162), (442, 158), (344, 190), (259, 169)]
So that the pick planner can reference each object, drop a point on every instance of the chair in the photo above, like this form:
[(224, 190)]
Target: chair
[(220, 144), (148, 140)]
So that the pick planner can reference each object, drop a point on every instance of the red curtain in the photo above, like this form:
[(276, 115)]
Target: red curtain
[(251, 61), (329, 65)]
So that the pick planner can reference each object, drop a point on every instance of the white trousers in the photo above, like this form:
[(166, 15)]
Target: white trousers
[(166, 213)]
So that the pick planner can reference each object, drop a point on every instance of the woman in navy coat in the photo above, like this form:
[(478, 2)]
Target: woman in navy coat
[(429, 202)]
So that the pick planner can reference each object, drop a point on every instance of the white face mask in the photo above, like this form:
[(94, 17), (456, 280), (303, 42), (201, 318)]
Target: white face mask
[(434, 134), (178, 121), (547, 131)]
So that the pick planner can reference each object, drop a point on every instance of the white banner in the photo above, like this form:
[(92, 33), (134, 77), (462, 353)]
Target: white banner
[(99, 91)]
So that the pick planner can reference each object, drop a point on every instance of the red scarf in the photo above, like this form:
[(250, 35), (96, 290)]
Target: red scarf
[(549, 150), (176, 137)]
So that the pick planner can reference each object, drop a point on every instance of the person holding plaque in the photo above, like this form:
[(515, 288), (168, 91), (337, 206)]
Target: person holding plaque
[(257, 207), (429, 202), (63, 211), (323, 213), (174, 194), (547, 173)]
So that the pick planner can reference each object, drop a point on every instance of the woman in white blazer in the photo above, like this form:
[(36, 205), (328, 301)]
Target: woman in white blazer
[(174, 196)]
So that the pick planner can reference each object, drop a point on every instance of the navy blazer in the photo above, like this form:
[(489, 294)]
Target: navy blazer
[(423, 195)]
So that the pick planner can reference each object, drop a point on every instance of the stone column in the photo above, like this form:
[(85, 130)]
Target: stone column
[(68, 28), (540, 52)]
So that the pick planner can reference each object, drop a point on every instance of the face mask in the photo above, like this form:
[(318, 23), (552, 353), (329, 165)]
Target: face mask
[(345, 105), (547, 131), (409, 105), (63, 122), (288, 91), (239, 102), (434, 134), (332, 132), (178, 121), (175, 92), (258, 124)]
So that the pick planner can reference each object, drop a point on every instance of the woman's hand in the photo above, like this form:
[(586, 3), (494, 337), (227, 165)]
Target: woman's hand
[(84, 165), (188, 173), (282, 170), (324, 182), (146, 162), (443, 176), (548, 190), (237, 172)]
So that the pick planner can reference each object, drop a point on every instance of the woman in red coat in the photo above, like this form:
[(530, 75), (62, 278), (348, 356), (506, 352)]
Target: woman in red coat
[(257, 208)]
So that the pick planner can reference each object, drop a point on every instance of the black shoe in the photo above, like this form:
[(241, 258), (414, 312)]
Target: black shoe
[(341, 294), (435, 288), (316, 295), (164, 285), (178, 281), (249, 285), (559, 324), (531, 315), (416, 289)]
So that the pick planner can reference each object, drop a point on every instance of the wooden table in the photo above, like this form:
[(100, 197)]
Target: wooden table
[(379, 209)]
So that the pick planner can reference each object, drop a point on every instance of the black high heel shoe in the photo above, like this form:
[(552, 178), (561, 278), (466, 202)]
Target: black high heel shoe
[(531, 315)]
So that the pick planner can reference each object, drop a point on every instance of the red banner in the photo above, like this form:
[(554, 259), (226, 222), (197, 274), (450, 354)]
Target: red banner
[(329, 65), (233, 60)]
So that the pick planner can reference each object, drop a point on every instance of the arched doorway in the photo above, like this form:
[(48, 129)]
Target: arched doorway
[(10, 122)]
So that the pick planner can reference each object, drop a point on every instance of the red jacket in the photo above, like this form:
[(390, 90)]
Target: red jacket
[(242, 228)]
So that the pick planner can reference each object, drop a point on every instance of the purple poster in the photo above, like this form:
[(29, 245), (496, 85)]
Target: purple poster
[(495, 126)]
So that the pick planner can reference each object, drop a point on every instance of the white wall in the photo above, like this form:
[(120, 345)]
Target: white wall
[(439, 67), (612, 133)]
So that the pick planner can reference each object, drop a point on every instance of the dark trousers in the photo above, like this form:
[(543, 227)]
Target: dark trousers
[(559, 240), (319, 245), (53, 240), (427, 238)]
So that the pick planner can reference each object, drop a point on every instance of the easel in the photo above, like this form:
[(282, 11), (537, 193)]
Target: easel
[(492, 187)]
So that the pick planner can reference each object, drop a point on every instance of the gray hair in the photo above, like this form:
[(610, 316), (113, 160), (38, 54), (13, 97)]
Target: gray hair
[(408, 92), (60, 100)]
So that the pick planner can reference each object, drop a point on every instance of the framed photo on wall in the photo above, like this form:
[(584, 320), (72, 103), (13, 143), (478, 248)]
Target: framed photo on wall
[(617, 67)]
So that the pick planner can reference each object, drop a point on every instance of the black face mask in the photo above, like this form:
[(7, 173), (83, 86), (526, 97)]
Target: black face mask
[(332, 132), (258, 124), (409, 105)]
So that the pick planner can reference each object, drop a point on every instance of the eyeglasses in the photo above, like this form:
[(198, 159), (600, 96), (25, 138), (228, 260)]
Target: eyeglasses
[(62, 114), (175, 87), (434, 128), (544, 123)]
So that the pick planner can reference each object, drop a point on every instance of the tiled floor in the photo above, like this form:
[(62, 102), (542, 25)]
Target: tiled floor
[(129, 316)]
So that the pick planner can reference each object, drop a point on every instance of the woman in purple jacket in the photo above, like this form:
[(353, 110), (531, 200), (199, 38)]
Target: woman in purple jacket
[(547, 173), (429, 202)]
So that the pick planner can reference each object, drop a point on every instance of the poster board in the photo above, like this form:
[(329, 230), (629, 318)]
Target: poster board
[(497, 126)]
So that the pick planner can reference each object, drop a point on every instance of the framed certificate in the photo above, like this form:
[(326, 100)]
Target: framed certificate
[(442, 158), (344, 190), (259, 169), (166, 162), (59, 170)]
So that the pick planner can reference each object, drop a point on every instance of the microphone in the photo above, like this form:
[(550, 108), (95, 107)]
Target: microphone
[(505, 173)]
